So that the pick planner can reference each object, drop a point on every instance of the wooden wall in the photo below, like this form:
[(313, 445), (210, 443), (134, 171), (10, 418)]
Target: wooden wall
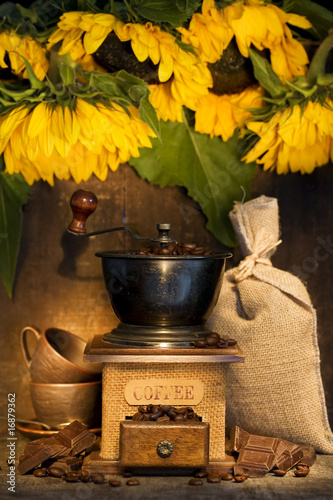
[(59, 280)]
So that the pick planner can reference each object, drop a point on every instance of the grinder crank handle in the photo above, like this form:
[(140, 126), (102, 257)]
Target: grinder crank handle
[(84, 203)]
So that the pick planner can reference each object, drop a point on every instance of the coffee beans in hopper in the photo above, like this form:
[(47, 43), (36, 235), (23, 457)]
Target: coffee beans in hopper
[(176, 249)]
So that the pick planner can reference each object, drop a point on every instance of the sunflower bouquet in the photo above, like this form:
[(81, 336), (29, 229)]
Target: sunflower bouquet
[(188, 92)]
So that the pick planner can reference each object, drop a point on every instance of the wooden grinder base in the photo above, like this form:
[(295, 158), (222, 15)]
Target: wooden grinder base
[(123, 366)]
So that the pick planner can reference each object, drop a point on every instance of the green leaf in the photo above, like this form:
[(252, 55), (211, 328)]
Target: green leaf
[(320, 17), (14, 193), (264, 73), (209, 169), (132, 91), (175, 12)]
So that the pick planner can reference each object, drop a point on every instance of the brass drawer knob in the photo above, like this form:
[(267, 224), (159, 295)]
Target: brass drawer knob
[(164, 449)]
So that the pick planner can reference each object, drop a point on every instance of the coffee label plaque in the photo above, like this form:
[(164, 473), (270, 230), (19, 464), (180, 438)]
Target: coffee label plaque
[(164, 392)]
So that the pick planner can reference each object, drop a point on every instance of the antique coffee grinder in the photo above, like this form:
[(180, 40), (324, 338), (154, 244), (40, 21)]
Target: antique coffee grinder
[(163, 300)]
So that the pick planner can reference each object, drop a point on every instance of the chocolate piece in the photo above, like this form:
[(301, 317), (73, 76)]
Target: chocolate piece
[(287, 455), (73, 439), (76, 436), (257, 456), (68, 464), (237, 438), (309, 455), (38, 456)]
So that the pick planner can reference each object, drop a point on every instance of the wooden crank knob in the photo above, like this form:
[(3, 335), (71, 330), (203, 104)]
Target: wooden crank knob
[(83, 204)]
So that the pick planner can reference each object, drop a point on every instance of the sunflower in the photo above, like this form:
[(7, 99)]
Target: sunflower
[(14, 46), (251, 22), (47, 140), (220, 115), (294, 139), (187, 77)]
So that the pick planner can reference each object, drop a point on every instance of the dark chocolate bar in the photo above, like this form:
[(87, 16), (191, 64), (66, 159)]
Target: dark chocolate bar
[(257, 455), (288, 455), (237, 438), (71, 440), (38, 456), (308, 455)]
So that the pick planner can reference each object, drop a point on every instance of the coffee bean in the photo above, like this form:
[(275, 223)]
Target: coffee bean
[(114, 483), (189, 246), (301, 472), (127, 473), (279, 472), (165, 418), (56, 472), (179, 418), (98, 478), (213, 478), (133, 482), (40, 472), (302, 467), (166, 408), (211, 340), (240, 478), (222, 344), (231, 342), (195, 482), (227, 477), (164, 251), (71, 479), (201, 474), (200, 343)]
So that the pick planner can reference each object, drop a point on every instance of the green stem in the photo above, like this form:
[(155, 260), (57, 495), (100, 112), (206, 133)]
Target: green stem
[(57, 62), (318, 63)]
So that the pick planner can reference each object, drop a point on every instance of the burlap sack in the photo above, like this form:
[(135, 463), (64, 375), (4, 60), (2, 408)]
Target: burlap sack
[(278, 390)]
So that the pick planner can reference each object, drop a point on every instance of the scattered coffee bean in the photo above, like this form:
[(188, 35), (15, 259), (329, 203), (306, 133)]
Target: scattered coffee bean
[(71, 479), (213, 478), (114, 483), (200, 343), (40, 472), (212, 340), (301, 472), (240, 478), (195, 482), (98, 478), (201, 474), (133, 482), (302, 467), (127, 473), (279, 472), (56, 472), (227, 477)]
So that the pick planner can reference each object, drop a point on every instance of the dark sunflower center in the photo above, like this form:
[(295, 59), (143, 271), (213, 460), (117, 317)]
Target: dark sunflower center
[(233, 73), (115, 55)]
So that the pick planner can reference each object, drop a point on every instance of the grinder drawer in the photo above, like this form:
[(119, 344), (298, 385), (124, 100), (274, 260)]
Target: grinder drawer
[(170, 444)]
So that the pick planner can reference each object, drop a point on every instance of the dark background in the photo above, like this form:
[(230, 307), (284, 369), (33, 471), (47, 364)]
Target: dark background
[(59, 280)]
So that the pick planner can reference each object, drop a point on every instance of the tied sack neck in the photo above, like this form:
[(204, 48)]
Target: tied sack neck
[(262, 245)]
